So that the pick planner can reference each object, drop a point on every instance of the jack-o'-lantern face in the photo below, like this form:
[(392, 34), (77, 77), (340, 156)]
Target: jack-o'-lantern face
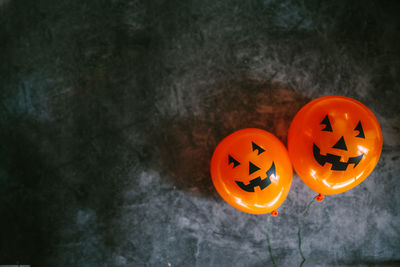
[(259, 182), (353, 136), (251, 171), (334, 143)]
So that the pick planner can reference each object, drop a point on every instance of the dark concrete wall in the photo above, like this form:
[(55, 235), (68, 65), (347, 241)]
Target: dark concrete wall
[(110, 111)]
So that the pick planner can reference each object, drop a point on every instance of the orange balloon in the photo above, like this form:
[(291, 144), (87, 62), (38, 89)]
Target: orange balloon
[(251, 170), (334, 143)]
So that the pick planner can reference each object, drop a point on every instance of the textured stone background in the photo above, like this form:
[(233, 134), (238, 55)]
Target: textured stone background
[(110, 111)]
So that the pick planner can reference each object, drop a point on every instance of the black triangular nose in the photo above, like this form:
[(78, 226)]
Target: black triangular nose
[(252, 168), (340, 144)]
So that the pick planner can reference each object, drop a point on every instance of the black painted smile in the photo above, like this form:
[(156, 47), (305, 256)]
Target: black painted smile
[(337, 165), (262, 183)]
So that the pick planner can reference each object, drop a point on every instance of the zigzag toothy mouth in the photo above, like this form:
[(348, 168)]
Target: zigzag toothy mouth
[(262, 183), (337, 165)]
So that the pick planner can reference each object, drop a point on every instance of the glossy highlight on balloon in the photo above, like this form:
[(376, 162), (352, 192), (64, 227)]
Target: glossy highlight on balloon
[(251, 170), (334, 143)]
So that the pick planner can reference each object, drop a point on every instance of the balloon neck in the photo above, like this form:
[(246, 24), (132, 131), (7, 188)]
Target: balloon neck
[(274, 213), (319, 198)]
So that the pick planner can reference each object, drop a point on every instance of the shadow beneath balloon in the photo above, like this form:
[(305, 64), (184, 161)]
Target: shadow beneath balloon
[(187, 143)]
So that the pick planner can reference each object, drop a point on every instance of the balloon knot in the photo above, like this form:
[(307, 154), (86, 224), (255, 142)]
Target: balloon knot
[(319, 198), (274, 213)]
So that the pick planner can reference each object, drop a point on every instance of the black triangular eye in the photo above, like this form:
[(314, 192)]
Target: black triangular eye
[(360, 130), (234, 161), (327, 123), (256, 147)]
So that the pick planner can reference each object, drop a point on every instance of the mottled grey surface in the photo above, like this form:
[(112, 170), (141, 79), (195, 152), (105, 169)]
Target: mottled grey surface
[(110, 111)]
